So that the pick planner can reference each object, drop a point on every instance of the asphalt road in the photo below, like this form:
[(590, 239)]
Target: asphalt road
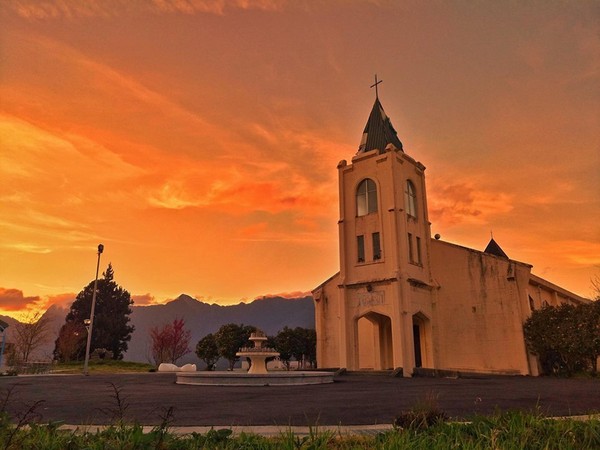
[(351, 400)]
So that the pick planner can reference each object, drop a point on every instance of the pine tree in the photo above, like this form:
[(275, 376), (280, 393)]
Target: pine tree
[(111, 330)]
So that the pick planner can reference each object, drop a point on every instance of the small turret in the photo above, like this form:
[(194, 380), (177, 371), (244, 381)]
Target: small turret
[(494, 249)]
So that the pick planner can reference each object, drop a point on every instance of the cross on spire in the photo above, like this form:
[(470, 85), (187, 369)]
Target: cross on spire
[(375, 86)]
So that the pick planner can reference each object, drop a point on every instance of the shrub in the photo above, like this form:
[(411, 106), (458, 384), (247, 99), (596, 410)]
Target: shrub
[(566, 338), (424, 414)]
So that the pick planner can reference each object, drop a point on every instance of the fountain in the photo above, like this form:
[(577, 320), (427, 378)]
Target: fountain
[(257, 353), (257, 375)]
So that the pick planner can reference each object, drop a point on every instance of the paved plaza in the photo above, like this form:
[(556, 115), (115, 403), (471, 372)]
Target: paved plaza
[(351, 400)]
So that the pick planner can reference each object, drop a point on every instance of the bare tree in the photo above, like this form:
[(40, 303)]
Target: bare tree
[(29, 335)]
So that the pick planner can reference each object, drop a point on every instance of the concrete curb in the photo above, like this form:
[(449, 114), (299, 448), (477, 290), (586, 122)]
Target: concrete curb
[(262, 430), (274, 430)]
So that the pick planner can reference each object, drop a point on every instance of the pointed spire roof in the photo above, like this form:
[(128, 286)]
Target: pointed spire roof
[(494, 249), (379, 131)]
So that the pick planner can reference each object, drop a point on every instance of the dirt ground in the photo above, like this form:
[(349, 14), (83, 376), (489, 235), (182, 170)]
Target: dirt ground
[(351, 400)]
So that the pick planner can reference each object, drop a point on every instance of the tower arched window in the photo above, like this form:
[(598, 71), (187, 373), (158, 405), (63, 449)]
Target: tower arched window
[(366, 197), (410, 199)]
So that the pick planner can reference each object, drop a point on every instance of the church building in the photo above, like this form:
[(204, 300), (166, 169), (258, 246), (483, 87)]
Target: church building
[(404, 300)]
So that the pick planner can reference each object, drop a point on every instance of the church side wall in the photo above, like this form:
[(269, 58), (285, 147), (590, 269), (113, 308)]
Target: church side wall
[(479, 311), (327, 323), (543, 293)]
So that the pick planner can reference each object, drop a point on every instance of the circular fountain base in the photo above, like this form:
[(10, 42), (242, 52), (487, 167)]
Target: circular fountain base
[(293, 378)]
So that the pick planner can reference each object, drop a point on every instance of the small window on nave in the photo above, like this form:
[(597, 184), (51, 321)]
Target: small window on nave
[(366, 197), (410, 199), (531, 303)]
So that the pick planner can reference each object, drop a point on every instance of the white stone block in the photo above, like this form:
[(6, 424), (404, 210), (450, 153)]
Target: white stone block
[(167, 367)]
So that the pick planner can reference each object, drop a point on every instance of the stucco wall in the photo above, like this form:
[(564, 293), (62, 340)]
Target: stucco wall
[(389, 171), (327, 323), (544, 293), (479, 309)]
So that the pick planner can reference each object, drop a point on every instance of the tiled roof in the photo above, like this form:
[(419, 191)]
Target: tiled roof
[(379, 131)]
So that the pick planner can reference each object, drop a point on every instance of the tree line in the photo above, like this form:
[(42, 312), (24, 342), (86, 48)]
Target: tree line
[(169, 345)]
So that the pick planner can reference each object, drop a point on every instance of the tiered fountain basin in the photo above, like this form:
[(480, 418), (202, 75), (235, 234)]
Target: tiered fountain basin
[(257, 375), (257, 354)]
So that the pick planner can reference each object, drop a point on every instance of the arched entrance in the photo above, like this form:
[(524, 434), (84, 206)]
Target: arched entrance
[(421, 340), (374, 339)]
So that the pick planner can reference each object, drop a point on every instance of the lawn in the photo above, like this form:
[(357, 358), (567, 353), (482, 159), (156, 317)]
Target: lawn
[(102, 366)]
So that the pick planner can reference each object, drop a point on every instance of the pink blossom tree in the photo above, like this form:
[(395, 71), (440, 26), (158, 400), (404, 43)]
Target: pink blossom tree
[(170, 342)]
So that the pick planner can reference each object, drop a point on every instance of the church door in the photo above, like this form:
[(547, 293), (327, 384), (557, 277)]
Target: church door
[(422, 341), (417, 341), (374, 350)]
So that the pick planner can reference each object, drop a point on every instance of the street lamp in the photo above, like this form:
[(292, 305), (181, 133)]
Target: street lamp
[(90, 321)]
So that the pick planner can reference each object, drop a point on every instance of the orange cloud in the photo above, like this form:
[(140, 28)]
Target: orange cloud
[(573, 253), (14, 300), (16, 304), (465, 202), (294, 294), (61, 300), (76, 9), (143, 300), (254, 230)]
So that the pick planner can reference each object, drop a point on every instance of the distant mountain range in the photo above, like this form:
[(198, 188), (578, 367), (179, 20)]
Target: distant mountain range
[(270, 314), (56, 316)]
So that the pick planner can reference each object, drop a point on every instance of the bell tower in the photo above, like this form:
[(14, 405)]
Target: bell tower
[(384, 227), (385, 275)]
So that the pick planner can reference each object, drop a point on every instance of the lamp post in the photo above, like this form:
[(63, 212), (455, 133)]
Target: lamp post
[(91, 319)]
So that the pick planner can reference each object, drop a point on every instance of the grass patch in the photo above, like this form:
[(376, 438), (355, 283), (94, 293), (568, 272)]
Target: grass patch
[(512, 430), (424, 413), (102, 366)]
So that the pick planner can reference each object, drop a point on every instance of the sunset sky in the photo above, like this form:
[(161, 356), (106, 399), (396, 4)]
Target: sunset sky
[(198, 140)]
